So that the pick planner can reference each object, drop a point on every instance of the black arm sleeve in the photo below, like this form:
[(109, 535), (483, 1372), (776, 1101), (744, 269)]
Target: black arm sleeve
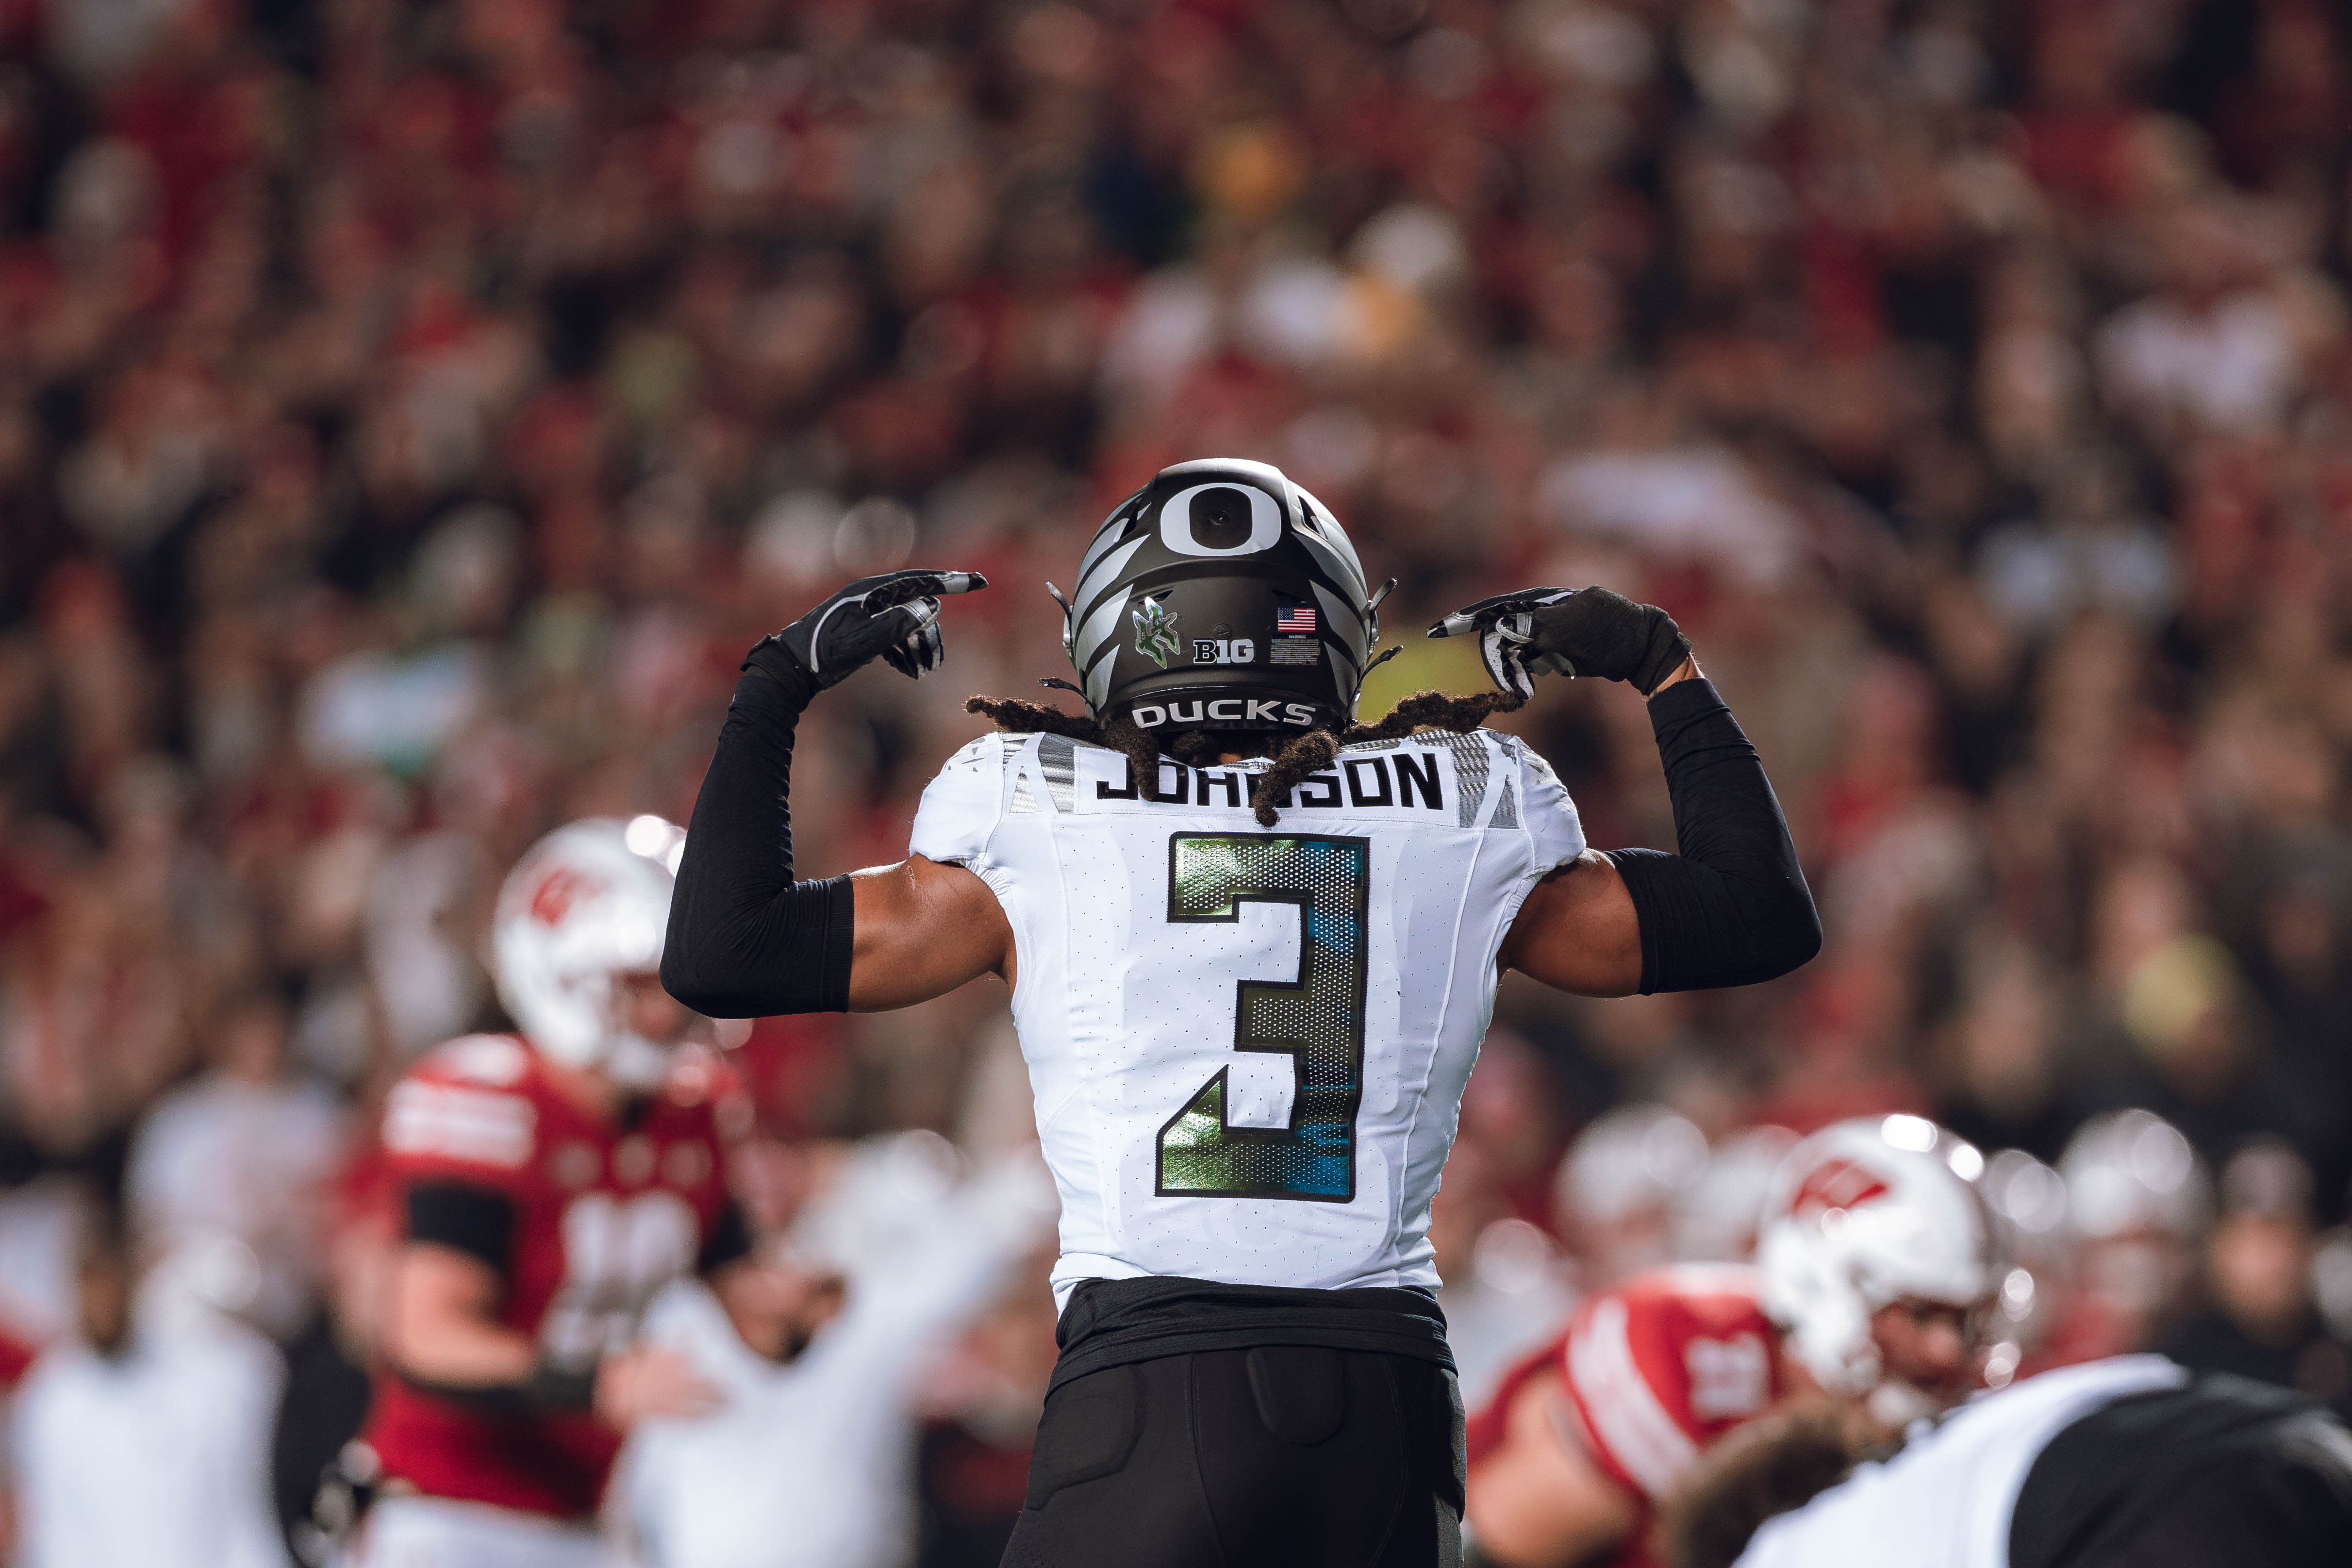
[(745, 939), (474, 1220), (1732, 909)]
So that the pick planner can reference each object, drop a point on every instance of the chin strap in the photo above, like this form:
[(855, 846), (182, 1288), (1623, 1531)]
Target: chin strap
[(1391, 652)]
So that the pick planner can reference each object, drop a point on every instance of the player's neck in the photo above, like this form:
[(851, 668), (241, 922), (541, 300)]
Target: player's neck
[(592, 1092)]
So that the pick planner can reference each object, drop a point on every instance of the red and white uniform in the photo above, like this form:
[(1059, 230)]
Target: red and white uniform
[(604, 1215), (1655, 1370)]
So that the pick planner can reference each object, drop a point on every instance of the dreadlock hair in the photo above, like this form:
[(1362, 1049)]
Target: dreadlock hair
[(1295, 758)]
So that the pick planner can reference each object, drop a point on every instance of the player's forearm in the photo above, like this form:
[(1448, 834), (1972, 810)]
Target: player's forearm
[(745, 939), (457, 1353), (443, 1332), (1732, 908)]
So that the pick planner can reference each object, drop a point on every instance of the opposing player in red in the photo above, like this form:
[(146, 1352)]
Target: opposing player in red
[(1875, 1263), (551, 1182)]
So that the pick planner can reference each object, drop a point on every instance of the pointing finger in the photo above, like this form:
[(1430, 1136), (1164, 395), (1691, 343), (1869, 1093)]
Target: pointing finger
[(900, 587)]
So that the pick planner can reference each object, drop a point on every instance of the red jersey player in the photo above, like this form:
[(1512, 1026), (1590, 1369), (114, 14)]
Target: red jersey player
[(1873, 1261), (551, 1182)]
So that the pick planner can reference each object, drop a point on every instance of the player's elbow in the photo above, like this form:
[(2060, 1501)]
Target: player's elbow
[(689, 987), (1779, 928), (1790, 934)]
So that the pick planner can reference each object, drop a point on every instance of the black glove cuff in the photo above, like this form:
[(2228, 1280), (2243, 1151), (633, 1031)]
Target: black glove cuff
[(1666, 650), (772, 658)]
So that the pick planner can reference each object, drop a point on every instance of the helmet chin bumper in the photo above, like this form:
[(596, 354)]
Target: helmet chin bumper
[(1808, 1291), (637, 1063), (574, 1025)]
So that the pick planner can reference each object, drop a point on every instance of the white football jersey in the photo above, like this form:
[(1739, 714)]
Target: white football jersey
[(1947, 1499), (1248, 1047)]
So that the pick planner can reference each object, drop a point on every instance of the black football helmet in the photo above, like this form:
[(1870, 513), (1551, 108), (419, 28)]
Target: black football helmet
[(1220, 596)]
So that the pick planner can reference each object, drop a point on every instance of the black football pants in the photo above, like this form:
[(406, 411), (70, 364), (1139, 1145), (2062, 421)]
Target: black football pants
[(1276, 1457)]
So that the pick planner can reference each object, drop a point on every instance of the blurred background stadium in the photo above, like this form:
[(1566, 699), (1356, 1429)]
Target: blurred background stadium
[(409, 411)]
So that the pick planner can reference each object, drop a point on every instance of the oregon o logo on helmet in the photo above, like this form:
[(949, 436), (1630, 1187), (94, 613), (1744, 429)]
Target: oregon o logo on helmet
[(1202, 521), (1222, 710)]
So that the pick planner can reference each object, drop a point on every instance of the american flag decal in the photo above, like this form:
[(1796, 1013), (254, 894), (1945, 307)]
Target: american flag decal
[(1295, 621)]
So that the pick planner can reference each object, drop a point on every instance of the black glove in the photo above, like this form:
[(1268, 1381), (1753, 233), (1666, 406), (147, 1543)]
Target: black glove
[(895, 615), (1570, 631)]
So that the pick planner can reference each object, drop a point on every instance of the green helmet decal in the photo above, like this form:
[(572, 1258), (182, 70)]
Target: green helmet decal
[(1155, 632)]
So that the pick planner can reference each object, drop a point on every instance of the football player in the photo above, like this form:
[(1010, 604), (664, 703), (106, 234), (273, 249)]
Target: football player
[(1876, 1260), (2128, 1462), (550, 1182), (1252, 946)]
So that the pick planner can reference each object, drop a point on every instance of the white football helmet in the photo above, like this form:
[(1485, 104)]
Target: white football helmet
[(2132, 1172), (1859, 1216), (586, 902), (1635, 1159), (1717, 1215)]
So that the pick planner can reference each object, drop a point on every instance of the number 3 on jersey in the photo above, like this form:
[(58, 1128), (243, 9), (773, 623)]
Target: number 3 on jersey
[(1316, 1019)]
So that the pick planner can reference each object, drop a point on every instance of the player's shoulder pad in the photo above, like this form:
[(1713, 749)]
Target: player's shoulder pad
[(1534, 800), (468, 1103), (960, 807), (1686, 1287), (1517, 754)]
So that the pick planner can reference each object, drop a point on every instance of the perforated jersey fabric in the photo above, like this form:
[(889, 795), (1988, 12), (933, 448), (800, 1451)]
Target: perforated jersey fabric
[(1248, 1047)]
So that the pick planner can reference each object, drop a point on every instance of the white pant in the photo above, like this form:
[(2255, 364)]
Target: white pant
[(436, 1532)]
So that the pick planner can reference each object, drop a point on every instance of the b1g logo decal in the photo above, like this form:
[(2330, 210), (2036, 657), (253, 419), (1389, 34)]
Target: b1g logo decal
[(1224, 651)]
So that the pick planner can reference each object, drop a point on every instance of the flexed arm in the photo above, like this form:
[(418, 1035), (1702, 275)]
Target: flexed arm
[(746, 939), (1730, 909)]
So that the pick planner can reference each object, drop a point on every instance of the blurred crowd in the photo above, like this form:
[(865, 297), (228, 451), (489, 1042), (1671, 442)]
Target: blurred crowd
[(410, 408)]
